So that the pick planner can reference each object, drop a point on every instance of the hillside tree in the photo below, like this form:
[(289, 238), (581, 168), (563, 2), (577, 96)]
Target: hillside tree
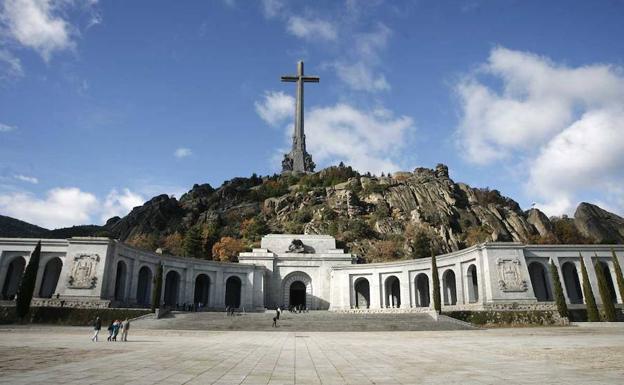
[(193, 247)]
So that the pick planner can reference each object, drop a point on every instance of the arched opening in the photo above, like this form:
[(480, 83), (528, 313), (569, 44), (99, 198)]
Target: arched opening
[(120, 281), (473, 284), (144, 286), (13, 277), (422, 290), (609, 279), (571, 282), (172, 288), (450, 288), (233, 292), (362, 293), (539, 281), (51, 274), (202, 287), (297, 294), (393, 292)]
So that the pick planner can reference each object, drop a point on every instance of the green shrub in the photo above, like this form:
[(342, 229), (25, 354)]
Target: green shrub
[(618, 274), (605, 294), (435, 281)]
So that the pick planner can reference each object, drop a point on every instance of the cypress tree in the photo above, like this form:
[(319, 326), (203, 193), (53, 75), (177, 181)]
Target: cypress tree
[(435, 279), (605, 294), (193, 243), (590, 301), (157, 288), (562, 307), (618, 274), (27, 286)]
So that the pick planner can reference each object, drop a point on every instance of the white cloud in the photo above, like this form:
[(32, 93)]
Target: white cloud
[(61, 207), (6, 127), (25, 178), (360, 77), (10, 66), (367, 140), (272, 8), (566, 124), (182, 152), (120, 204), (275, 107), (311, 28)]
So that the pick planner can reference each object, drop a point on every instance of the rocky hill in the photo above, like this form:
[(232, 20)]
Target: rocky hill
[(405, 215)]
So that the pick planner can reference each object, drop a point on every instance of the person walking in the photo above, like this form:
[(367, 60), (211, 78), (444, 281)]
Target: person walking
[(125, 327), (274, 322), (116, 326), (97, 325), (279, 312), (110, 331)]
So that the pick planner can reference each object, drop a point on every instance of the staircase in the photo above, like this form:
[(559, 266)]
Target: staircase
[(321, 321)]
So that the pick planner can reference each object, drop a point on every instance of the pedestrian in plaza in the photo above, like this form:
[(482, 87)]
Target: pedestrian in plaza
[(274, 322), (116, 326), (97, 325), (110, 331), (125, 327), (279, 311)]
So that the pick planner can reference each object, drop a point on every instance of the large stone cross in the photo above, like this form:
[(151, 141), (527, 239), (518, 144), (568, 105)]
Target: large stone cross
[(298, 160)]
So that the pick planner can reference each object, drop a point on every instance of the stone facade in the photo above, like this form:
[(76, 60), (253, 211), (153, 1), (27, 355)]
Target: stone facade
[(306, 270)]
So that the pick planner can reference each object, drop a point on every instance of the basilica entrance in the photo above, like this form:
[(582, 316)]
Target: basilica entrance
[(298, 294)]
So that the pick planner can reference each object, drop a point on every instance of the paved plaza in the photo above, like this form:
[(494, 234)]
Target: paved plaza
[(571, 355)]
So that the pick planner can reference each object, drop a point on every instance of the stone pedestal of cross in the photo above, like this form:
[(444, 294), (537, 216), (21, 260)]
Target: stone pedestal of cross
[(298, 160)]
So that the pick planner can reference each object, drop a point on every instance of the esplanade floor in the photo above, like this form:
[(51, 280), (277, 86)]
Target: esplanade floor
[(588, 354)]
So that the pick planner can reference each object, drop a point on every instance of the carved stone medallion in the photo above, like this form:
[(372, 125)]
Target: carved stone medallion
[(296, 246), (509, 275), (83, 272)]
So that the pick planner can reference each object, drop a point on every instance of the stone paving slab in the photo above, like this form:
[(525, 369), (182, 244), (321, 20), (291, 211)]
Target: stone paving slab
[(572, 355)]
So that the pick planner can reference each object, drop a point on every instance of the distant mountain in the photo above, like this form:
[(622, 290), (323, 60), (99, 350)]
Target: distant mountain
[(405, 215)]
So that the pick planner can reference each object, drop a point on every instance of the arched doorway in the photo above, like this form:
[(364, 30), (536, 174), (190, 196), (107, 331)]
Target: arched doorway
[(609, 279), (302, 290), (450, 288), (172, 288), (540, 282), (13, 278), (202, 289), (51, 274), (144, 286), (298, 294), (362, 293), (421, 283), (393, 292), (233, 292), (120, 281), (571, 282), (473, 284)]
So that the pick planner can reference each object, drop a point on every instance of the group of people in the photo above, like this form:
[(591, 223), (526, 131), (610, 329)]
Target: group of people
[(113, 329), (230, 310), (198, 306)]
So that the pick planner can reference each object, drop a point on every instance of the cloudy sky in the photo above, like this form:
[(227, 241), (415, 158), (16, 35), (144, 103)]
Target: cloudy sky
[(104, 104)]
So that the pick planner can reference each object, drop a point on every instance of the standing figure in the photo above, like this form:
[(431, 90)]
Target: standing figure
[(125, 327), (97, 325)]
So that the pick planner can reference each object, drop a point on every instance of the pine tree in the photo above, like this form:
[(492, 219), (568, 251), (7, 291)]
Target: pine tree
[(618, 274), (605, 294), (157, 288), (193, 243), (435, 280), (590, 300), (562, 307), (27, 286)]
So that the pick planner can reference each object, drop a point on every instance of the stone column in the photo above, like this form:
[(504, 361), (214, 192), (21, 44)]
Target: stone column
[(405, 290), (219, 290), (131, 288), (376, 294)]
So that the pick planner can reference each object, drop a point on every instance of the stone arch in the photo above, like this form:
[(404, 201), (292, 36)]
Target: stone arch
[(609, 279), (473, 284), (540, 282), (361, 286), (51, 275), (172, 288), (13, 278), (120, 281), (144, 286), (449, 285), (287, 290), (202, 290), (572, 283), (393, 291), (233, 287), (421, 285)]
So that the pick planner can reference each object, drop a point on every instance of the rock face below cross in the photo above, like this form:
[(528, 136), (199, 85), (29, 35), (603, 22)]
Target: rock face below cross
[(298, 159)]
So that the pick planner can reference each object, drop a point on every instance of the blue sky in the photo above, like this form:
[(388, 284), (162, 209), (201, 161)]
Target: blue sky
[(104, 104)]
